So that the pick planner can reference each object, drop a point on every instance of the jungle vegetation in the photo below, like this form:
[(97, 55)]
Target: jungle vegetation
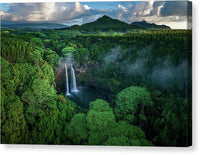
[(147, 72)]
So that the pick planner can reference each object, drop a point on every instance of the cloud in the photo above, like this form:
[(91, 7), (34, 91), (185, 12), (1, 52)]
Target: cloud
[(121, 11), (171, 13), (157, 6), (43, 11), (142, 9), (176, 14), (178, 8), (122, 8), (86, 7), (30, 12)]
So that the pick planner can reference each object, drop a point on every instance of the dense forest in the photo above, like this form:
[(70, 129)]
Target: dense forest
[(147, 73)]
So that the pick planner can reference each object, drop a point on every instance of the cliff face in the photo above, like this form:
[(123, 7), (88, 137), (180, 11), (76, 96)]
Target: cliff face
[(83, 76), (60, 79)]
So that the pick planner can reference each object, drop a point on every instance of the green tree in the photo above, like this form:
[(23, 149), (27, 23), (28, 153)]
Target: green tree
[(173, 124), (81, 55), (77, 129), (133, 134), (37, 55), (39, 93), (41, 111), (67, 50), (117, 141), (13, 122), (100, 119), (130, 104), (51, 57), (37, 42)]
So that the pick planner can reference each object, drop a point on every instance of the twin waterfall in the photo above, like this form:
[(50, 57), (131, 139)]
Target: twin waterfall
[(73, 81)]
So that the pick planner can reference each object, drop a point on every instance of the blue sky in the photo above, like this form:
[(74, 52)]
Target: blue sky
[(5, 6), (101, 5), (171, 13), (107, 5), (96, 5)]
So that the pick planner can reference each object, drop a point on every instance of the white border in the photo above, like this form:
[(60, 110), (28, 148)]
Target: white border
[(100, 150)]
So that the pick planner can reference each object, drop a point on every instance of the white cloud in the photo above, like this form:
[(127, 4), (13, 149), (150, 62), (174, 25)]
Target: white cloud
[(122, 8), (121, 11), (149, 8), (3, 13), (30, 12), (77, 7), (86, 7), (159, 12), (151, 11), (43, 11)]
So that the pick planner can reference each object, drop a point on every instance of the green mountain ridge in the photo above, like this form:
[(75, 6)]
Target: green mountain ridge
[(144, 24), (104, 23)]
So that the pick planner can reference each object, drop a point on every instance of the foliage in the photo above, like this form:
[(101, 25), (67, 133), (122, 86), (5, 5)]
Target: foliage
[(144, 71), (130, 104), (77, 129), (13, 121), (118, 141), (100, 119), (15, 50)]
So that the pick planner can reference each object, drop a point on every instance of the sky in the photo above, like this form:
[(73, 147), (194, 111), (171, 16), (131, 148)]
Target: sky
[(172, 13)]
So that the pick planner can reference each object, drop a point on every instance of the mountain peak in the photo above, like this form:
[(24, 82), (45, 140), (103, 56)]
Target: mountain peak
[(105, 23), (144, 21), (105, 17), (107, 20)]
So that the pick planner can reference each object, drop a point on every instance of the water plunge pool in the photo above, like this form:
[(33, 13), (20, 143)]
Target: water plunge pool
[(86, 94)]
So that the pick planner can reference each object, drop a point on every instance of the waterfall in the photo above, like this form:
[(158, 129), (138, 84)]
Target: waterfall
[(67, 81), (73, 80)]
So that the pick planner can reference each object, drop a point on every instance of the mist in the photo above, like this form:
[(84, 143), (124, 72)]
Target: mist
[(114, 56), (163, 73)]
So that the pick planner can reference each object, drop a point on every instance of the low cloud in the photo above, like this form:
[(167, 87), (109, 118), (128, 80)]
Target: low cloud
[(163, 73), (114, 56)]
